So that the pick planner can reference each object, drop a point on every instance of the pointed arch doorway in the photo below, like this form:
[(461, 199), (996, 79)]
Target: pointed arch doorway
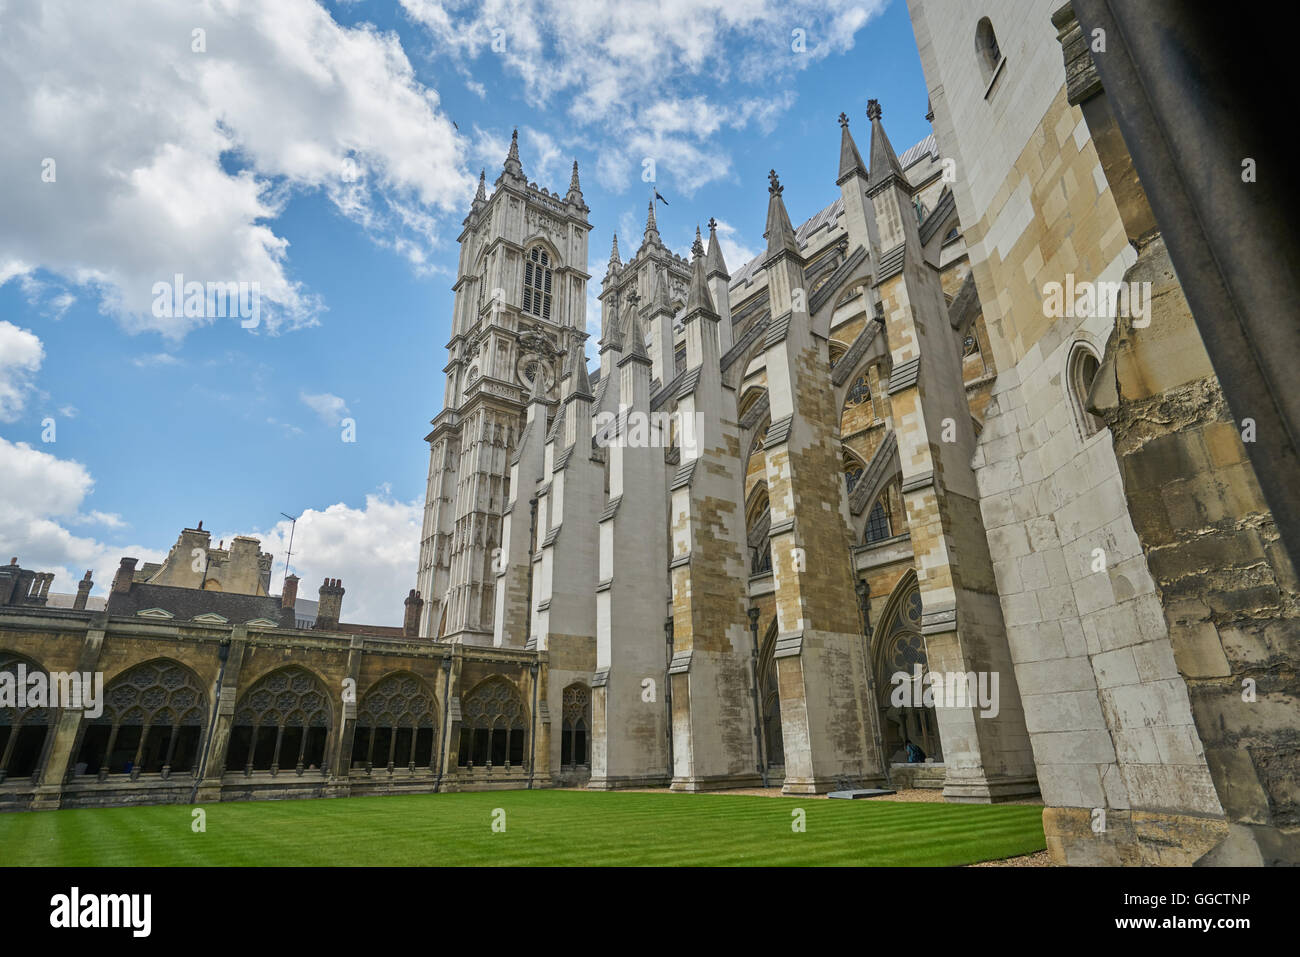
[(898, 651)]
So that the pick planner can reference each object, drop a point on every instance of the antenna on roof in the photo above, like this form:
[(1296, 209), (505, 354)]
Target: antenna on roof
[(289, 552)]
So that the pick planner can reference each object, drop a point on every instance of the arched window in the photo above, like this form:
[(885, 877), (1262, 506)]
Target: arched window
[(852, 470), (492, 725), (575, 726), (986, 49), (758, 522), (859, 392), (1082, 372), (152, 723), (22, 730), (395, 725), (877, 522), (900, 652), (282, 721), (770, 700), (537, 282)]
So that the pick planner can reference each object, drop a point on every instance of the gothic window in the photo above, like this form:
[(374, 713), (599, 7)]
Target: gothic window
[(537, 283), (859, 392), (575, 727), (951, 236), (283, 721), (1082, 373), (758, 523), (970, 345), (900, 653), (22, 729), (986, 48), (852, 470), (152, 723), (770, 701), (679, 360), (395, 725), (837, 350), (492, 725), (877, 523)]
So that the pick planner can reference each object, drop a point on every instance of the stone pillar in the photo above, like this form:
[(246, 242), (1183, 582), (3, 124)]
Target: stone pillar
[(987, 755), (213, 757), (820, 658), (1227, 586), (65, 738), (514, 567), (714, 736), (629, 745)]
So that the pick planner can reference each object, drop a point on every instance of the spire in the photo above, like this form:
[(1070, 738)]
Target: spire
[(659, 291), (714, 264), (884, 164), (779, 233), (614, 259), (538, 393), (512, 164), (698, 297), (579, 381), (481, 195), (651, 229), (634, 333), (850, 159), (575, 190)]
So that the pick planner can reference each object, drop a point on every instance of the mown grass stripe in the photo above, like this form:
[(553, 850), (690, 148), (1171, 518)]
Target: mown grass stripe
[(542, 827)]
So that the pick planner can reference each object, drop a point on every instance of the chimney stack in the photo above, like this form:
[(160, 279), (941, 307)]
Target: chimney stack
[(83, 592), (331, 604), (288, 599), (125, 575), (411, 622)]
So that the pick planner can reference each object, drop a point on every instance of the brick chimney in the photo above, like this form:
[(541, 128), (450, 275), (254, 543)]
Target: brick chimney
[(411, 621), (125, 575), (288, 598), (331, 604), (83, 591)]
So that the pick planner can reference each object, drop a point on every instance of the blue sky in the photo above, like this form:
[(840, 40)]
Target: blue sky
[(310, 147)]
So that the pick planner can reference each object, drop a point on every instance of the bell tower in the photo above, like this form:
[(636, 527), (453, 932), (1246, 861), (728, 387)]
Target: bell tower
[(520, 306)]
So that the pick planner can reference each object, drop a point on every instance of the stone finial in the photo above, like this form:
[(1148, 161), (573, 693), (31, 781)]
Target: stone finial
[(573, 180), (697, 247), (714, 264), (779, 234), (884, 161), (481, 195), (613, 252), (651, 227), (844, 121), (512, 164)]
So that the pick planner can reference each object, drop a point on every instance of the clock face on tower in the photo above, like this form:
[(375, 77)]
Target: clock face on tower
[(527, 368)]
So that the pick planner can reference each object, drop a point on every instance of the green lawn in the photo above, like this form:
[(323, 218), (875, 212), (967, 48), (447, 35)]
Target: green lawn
[(542, 827)]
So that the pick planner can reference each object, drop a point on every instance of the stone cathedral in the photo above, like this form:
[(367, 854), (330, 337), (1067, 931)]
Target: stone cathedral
[(959, 431)]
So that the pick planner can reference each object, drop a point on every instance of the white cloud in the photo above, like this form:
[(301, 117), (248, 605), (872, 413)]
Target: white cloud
[(21, 354), (734, 252), (329, 407), (40, 494), (138, 126), (621, 63), (374, 550), (155, 359)]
